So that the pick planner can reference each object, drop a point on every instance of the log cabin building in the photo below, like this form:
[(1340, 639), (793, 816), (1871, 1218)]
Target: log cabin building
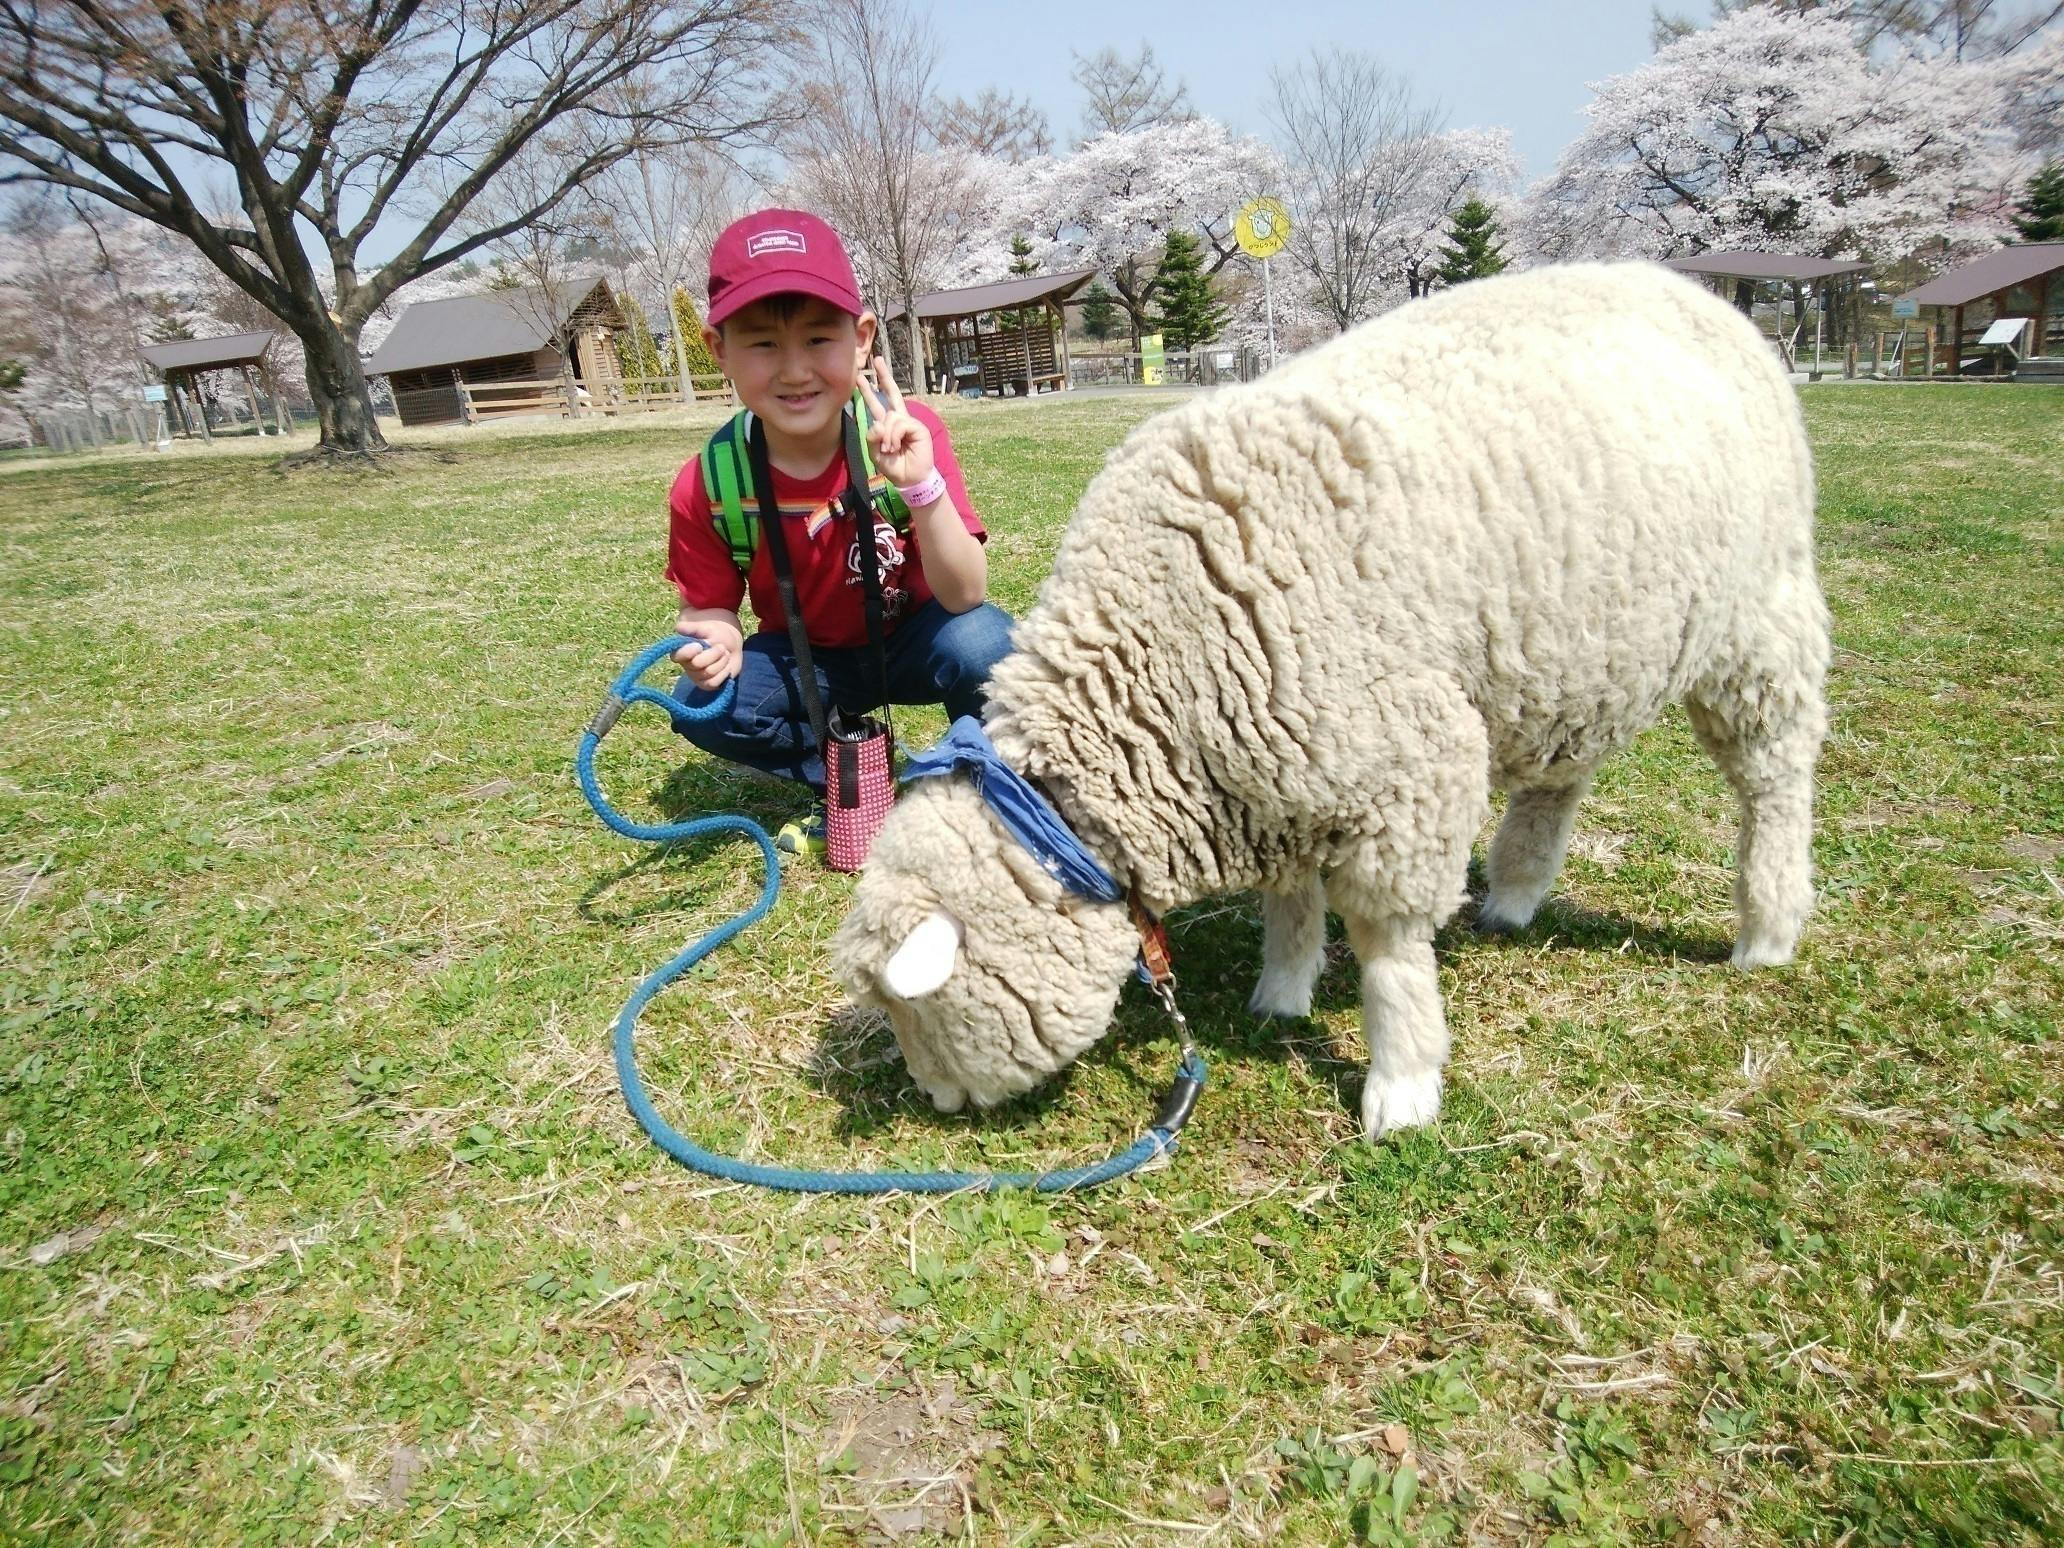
[(526, 346)]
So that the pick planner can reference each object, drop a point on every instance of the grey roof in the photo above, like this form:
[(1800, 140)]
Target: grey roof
[(477, 327), (1996, 271), (1791, 266), (209, 354), (998, 296)]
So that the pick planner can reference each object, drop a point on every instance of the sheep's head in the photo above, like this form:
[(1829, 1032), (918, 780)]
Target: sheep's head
[(993, 975)]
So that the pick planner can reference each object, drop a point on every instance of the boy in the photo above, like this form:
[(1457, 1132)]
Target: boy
[(787, 324)]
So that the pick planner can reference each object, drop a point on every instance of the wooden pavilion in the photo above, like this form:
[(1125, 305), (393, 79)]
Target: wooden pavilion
[(2011, 283), (1840, 279), (182, 362), (526, 350), (1021, 355)]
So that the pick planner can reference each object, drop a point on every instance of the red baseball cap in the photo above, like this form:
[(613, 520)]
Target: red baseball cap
[(772, 252)]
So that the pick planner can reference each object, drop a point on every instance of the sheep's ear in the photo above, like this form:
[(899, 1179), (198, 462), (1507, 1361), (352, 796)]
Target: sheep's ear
[(925, 959)]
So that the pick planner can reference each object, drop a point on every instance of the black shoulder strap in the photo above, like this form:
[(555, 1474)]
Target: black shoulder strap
[(859, 500), (784, 578)]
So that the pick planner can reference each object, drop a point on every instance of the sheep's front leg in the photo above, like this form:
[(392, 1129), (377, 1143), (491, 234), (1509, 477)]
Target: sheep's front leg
[(1293, 950), (1407, 1029), (1428, 783)]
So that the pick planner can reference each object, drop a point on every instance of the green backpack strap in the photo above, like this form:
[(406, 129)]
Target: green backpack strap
[(728, 482), (734, 504)]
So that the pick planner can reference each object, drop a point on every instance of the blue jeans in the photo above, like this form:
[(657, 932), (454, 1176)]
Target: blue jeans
[(933, 657)]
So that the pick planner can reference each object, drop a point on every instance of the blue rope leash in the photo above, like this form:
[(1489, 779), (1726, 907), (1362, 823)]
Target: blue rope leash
[(623, 693)]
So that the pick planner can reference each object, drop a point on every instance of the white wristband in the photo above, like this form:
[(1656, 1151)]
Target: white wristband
[(927, 492)]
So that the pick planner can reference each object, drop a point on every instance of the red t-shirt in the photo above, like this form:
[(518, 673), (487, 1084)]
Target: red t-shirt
[(820, 546)]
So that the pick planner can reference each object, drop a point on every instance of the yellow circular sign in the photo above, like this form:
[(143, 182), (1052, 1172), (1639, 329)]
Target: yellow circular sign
[(1263, 228)]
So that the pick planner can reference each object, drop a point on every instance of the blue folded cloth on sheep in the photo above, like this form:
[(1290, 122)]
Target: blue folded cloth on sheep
[(1026, 814)]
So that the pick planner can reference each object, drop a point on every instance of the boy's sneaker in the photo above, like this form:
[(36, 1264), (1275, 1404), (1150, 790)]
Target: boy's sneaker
[(804, 835)]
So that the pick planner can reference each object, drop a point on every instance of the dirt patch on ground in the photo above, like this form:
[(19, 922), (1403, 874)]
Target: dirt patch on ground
[(901, 1461), (2033, 846), (24, 883)]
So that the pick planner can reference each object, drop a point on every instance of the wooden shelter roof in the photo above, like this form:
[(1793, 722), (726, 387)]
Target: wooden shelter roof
[(972, 300), (1987, 275), (217, 354), (1787, 266), (482, 326)]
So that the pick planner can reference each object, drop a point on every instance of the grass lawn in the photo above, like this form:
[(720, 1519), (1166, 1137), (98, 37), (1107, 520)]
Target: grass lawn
[(324, 1220)]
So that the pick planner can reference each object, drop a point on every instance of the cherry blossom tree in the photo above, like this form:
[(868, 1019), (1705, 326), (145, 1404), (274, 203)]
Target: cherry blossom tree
[(59, 317), (1110, 204), (1775, 131), (2034, 90), (1963, 29), (83, 288)]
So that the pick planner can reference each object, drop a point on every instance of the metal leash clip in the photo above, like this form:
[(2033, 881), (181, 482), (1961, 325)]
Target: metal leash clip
[(1157, 967)]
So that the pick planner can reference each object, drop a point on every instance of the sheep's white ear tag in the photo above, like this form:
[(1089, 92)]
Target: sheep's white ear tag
[(925, 959)]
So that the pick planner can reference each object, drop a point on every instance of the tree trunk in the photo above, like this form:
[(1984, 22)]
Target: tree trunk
[(675, 332), (920, 379), (343, 403)]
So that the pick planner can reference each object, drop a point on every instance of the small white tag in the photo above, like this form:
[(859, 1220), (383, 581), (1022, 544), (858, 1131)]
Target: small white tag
[(775, 242)]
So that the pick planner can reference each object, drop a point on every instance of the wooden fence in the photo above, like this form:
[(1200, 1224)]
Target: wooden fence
[(1205, 366), (480, 401)]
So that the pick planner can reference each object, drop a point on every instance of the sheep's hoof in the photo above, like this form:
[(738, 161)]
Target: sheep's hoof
[(1762, 951), (1501, 916), (1280, 996), (1403, 1102)]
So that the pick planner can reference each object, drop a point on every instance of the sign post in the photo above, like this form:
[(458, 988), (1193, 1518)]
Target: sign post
[(1153, 361), (1263, 230)]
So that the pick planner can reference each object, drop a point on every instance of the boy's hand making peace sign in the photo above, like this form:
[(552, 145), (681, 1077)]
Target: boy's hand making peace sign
[(902, 445)]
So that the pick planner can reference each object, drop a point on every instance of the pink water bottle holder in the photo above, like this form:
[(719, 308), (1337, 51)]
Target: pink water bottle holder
[(859, 787)]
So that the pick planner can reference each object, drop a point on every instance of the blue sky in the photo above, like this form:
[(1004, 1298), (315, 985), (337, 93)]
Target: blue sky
[(1490, 64), (1522, 67)]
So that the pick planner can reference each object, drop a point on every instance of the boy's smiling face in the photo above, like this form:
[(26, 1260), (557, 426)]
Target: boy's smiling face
[(795, 361)]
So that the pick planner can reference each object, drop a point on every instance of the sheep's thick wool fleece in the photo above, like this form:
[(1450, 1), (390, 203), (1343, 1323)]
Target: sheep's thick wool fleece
[(1557, 496)]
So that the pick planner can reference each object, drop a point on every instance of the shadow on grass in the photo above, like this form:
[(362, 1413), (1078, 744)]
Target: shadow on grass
[(1584, 929), (1218, 956), (694, 790), (1217, 943), (858, 1065)]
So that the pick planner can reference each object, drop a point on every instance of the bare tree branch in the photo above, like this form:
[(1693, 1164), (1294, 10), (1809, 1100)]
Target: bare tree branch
[(994, 124), (345, 117), (1127, 93), (1357, 145)]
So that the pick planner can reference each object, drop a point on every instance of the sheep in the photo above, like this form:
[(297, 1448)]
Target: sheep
[(1298, 630)]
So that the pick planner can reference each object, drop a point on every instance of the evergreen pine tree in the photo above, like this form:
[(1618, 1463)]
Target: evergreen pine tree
[(1472, 251), (2040, 216), (1190, 314), (688, 324), (1021, 267), (1100, 313)]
